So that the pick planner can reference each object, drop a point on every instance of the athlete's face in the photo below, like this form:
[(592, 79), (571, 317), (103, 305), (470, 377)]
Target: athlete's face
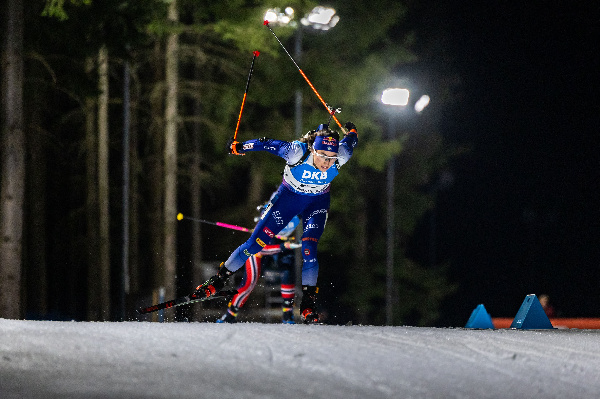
[(323, 159)]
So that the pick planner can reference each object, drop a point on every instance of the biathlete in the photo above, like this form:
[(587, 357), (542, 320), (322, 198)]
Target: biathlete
[(311, 164), (281, 254)]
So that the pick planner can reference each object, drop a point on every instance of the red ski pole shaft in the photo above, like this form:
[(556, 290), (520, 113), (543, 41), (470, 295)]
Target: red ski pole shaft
[(332, 113), (255, 54)]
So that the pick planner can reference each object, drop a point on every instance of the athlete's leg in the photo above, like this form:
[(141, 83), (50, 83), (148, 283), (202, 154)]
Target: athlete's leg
[(288, 284), (251, 274), (314, 219)]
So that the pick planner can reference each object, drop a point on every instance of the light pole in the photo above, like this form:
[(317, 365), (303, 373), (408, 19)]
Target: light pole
[(394, 97)]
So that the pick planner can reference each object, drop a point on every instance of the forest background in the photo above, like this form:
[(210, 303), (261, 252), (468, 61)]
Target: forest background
[(116, 116)]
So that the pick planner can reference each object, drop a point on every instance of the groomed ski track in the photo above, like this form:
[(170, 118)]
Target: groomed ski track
[(46, 359)]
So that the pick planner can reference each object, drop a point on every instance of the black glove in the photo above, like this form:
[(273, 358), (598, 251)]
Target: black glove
[(350, 126), (235, 147)]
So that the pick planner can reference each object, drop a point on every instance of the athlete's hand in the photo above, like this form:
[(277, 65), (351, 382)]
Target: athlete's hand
[(350, 127), (235, 147)]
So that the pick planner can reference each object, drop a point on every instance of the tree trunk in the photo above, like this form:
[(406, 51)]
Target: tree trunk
[(34, 259), (196, 190), (92, 208), (124, 275), (170, 157), (134, 228), (103, 185), (12, 183), (155, 173)]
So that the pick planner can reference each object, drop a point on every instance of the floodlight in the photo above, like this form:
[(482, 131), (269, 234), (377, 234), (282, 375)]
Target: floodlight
[(395, 96)]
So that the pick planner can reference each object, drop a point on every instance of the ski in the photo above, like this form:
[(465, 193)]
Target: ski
[(184, 300)]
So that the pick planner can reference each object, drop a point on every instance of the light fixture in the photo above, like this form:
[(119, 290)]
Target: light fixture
[(321, 18), (276, 17), (422, 103), (395, 96)]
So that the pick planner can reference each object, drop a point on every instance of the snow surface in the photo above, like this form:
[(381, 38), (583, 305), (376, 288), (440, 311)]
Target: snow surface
[(49, 359)]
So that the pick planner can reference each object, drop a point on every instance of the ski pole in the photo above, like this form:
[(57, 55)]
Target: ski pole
[(180, 217), (330, 110), (255, 54)]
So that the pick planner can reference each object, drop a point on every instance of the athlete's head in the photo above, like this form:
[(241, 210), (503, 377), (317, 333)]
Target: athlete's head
[(323, 143), (328, 139)]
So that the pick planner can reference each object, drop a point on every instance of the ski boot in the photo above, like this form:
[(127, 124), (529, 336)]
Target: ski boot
[(214, 284), (288, 311), (230, 315), (308, 310)]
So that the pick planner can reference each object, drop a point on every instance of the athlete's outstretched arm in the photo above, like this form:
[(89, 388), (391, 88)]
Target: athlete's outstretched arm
[(291, 152)]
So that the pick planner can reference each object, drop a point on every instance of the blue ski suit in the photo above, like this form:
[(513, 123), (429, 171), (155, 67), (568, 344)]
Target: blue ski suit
[(304, 191)]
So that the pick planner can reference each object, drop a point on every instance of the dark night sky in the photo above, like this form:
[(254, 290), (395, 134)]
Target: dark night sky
[(522, 215)]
